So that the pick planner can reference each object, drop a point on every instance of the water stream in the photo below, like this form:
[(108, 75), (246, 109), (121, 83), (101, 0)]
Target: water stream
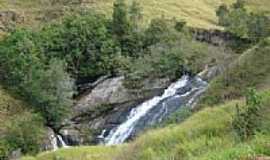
[(184, 92)]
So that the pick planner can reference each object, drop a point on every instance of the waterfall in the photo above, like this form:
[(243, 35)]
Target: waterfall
[(184, 92), (102, 135), (62, 142), (57, 142)]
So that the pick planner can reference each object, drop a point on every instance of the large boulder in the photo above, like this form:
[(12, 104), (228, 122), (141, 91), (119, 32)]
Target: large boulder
[(48, 140), (112, 93), (106, 106)]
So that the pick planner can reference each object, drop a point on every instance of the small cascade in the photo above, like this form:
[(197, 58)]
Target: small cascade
[(184, 92), (121, 133), (62, 142), (58, 142), (102, 135)]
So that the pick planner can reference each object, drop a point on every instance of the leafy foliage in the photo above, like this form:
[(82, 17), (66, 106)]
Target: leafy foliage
[(247, 121), (27, 73), (51, 90), (24, 132), (244, 24), (249, 70)]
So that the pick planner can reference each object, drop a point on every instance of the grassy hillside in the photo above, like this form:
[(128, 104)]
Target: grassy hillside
[(9, 105), (250, 70), (214, 139), (198, 13)]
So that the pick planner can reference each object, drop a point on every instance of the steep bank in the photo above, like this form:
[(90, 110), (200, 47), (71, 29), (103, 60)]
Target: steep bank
[(251, 69), (213, 139)]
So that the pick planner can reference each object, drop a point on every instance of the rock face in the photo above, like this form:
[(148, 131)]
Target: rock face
[(210, 73), (48, 139), (106, 106)]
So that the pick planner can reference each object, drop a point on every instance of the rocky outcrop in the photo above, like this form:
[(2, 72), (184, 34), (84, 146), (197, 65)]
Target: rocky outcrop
[(216, 37), (47, 144), (210, 73), (106, 106)]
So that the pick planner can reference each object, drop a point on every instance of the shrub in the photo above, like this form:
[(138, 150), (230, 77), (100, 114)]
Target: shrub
[(244, 24), (247, 121), (51, 91), (25, 132)]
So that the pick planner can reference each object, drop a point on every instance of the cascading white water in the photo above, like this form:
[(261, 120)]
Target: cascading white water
[(102, 135), (62, 142), (54, 142), (122, 132)]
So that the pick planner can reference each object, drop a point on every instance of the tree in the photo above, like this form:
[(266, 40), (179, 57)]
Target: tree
[(51, 91), (156, 31), (247, 121), (258, 27), (239, 4), (222, 13), (120, 24), (80, 41), (238, 23), (135, 14), (179, 25)]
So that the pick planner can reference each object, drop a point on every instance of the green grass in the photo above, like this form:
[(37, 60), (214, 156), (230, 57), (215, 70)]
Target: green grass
[(207, 135), (198, 13), (251, 69), (9, 105), (79, 153)]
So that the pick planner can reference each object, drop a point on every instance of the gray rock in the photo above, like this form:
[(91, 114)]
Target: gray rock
[(106, 106), (15, 155), (47, 141), (210, 73)]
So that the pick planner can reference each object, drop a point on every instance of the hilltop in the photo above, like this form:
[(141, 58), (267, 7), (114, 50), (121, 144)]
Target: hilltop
[(197, 13)]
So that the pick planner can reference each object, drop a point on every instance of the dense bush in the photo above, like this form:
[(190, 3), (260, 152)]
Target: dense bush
[(44, 84), (83, 41), (23, 131), (247, 120), (244, 24), (250, 70), (51, 90)]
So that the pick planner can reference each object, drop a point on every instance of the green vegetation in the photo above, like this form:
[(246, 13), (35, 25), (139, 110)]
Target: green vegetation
[(25, 72), (178, 117), (214, 139), (250, 70), (197, 13), (247, 121), (19, 128), (41, 66), (242, 23), (38, 65), (24, 131)]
